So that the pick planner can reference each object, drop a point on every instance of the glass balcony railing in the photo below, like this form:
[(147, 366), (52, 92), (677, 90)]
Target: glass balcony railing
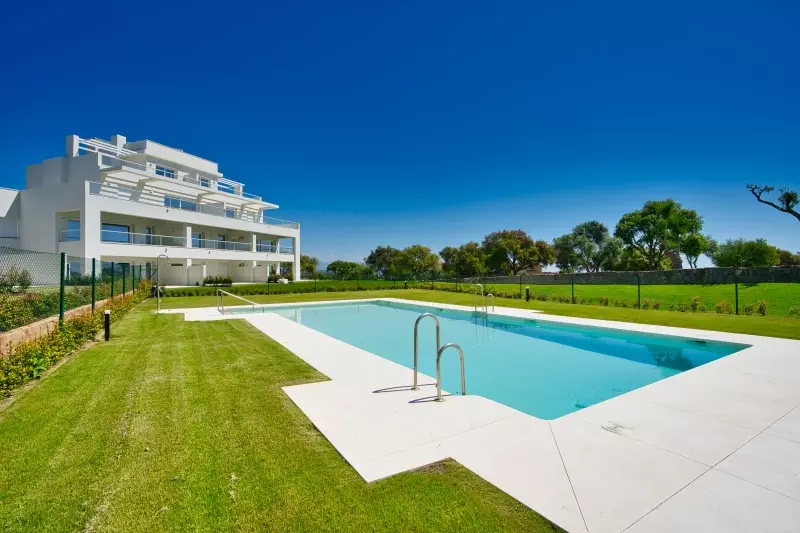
[(69, 235), (144, 239)]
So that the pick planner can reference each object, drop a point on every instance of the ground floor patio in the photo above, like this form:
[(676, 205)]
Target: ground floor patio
[(191, 272)]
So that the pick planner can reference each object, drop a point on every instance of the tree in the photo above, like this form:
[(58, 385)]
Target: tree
[(308, 265), (787, 258), (467, 260), (694, 245), (657, 228), (512, 251), (381, 260), (344, 269), (589, 247), (632, 259), (416, 261), (742, 253), (787, 200)]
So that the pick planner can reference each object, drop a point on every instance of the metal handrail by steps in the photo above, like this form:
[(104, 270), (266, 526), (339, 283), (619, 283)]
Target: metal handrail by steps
[(221, 301), (416, 343), (439, 370)]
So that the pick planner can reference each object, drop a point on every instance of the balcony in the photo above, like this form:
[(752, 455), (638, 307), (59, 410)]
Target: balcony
[(147, 239), (144, 239), (171, 200), (69, 235)]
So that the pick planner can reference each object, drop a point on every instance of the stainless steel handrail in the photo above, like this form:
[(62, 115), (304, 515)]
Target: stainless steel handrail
[(221, 301), (487, 299), (416, 342), (439, 370), (476, 296)]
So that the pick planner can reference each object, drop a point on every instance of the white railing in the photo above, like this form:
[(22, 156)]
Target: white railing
[(212, 244), (166, 199), (112, 156), (144, 239), (69, 235)]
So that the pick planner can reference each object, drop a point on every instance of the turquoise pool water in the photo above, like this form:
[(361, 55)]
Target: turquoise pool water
[(542, 368)]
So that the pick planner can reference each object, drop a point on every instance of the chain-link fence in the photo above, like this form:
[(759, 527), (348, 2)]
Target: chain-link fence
[(763, 290), (38, 285)]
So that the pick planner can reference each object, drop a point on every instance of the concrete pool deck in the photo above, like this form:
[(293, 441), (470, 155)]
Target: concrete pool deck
[(716, 448)]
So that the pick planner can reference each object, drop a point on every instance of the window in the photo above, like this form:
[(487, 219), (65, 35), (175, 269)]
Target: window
[(204, 182), (73, 232), (165, 171), (264, 246), (221, 242), (148, 234), (196, 239), (180, 203), (115, 233), (74, 268), (230, 213)]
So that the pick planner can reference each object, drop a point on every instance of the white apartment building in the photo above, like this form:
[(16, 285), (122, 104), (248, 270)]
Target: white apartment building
[(131, 202)]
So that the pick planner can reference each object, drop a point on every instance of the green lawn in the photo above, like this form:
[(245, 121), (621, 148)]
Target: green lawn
[(183, 426), (755, 325), (781, 297)]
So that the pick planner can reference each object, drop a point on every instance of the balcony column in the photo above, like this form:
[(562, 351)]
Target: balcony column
[(255, 244), (253, 271), (188, 268), (296, 263), (188, 236)]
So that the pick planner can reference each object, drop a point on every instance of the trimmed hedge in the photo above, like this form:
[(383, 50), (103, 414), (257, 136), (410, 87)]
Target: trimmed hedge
[(29, 359)]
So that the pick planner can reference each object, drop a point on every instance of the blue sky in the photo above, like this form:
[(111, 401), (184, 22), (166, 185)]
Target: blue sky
[(432, 122)]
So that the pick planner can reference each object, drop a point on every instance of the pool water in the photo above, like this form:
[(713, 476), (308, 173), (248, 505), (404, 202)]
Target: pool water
[(545, 369)]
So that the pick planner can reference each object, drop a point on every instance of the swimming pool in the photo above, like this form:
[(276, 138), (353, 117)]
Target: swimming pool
[(545, 369)]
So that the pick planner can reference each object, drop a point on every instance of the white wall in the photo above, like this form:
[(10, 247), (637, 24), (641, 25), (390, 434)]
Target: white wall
[(9, 217)]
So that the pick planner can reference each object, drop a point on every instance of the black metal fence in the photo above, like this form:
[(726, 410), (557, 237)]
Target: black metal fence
[(37, 285)]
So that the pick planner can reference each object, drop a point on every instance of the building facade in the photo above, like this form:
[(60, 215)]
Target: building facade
[(147, 204)]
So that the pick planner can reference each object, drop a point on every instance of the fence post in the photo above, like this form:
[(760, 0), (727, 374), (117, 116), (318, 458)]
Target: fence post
[(736, 288), (123, 278), (433, 286), (315, 281), (358, 281), (94, 283), (267, 285), (112, 279), (61, 288), (573, 288), (638, 290), (520, 286)]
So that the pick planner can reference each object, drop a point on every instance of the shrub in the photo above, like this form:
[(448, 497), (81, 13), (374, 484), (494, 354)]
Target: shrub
[(794, 312), (218, 281), (761, 307), (696, 305), (604, 300), (748, 309), (15, 311), (656, 304), (724, 308), (620, 303), (14, 279)]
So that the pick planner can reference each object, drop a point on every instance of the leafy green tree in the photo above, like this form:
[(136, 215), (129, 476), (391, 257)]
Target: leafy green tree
[(589, 247), (632, 259), (742, 253), (657, 228), (787, 200), (513, 251), (381, 260), (416, 261), (344, 269), (467, 260), (694, 245), (308, 265), (787, 258)]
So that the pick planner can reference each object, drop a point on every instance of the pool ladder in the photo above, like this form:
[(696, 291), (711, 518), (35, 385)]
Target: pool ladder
[(484, 298), (439, 351)]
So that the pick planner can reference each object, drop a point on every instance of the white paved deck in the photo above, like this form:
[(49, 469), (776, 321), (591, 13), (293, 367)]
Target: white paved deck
[(713, 449)]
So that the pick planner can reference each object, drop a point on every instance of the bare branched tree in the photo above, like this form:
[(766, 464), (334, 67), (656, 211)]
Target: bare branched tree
[(787, 200)]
